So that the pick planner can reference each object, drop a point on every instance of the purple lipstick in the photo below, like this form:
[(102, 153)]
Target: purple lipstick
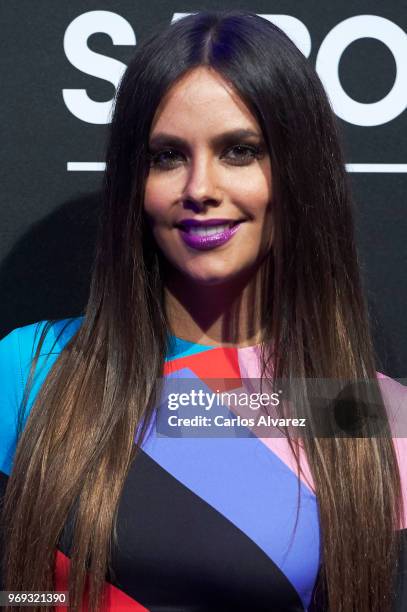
[(208, 234)]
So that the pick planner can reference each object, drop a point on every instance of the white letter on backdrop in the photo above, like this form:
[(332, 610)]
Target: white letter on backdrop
[(95, 64), (327, 66)]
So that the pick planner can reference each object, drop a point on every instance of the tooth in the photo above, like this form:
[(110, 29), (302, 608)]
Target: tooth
[(209, 231)]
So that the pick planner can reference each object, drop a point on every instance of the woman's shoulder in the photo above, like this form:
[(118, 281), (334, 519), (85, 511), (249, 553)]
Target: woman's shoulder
[(17, 350), (24, 340), (18, 347), (394, 393)]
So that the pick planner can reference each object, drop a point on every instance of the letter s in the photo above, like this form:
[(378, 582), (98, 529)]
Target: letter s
[(95, 64)]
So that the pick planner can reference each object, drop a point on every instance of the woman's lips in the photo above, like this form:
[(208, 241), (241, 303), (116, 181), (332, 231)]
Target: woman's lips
[(186, 224), (207, 242)]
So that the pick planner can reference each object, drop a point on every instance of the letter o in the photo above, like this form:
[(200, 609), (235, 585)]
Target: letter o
[(327, 66)]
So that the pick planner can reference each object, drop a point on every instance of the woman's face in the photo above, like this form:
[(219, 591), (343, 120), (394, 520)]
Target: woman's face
[(209, 162)]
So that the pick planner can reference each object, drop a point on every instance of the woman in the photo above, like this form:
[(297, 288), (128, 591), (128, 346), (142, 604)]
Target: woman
[(218, 118)]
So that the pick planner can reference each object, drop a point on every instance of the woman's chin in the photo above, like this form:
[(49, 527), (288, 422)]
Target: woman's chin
[(212, 279)]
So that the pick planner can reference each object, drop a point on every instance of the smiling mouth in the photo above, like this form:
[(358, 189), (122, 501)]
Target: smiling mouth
[(202, 230)]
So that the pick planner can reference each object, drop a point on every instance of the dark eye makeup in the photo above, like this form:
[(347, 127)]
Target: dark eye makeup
[(237, 155)]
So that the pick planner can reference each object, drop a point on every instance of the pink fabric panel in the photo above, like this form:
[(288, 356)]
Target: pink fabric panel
[(395, 399)]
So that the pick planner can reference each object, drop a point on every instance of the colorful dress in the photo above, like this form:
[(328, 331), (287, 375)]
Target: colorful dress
[(204, 522)]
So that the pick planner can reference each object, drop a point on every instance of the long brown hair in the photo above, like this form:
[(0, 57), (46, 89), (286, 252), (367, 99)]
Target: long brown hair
[(78, 442)]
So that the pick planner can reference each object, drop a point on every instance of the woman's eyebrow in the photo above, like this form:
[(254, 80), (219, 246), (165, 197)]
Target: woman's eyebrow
[(165, 139)]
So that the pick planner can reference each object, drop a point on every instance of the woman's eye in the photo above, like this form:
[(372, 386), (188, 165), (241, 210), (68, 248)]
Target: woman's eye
[(165, 159), (238, 155), (242, 154)]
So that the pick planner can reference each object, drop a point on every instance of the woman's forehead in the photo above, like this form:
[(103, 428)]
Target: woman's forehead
[(202, 99)]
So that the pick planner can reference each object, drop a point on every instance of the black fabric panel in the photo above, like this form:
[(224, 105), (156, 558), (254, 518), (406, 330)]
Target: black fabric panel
[(176, 552)]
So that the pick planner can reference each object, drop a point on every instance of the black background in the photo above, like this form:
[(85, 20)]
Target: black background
[(48, 215)]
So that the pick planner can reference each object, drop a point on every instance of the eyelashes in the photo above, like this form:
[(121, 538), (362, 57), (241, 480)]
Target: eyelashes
[(237, 155)]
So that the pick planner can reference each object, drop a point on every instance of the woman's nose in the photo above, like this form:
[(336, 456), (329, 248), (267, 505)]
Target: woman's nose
[(201, 186)]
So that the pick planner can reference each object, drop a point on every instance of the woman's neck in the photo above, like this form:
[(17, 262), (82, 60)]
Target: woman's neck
[(226, 314)]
